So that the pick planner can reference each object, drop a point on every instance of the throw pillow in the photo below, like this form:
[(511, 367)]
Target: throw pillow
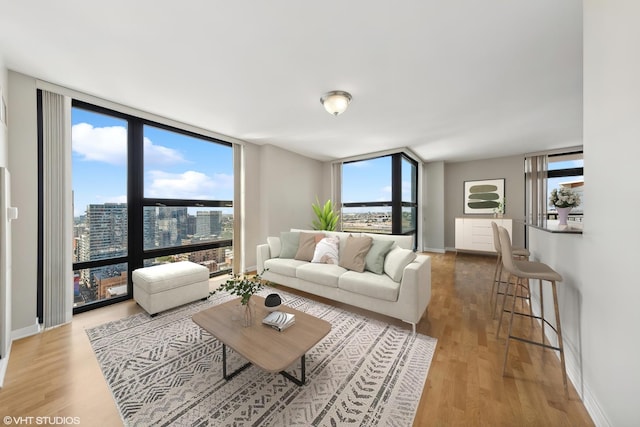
[(307, 245), (274, 246), (374, 261), (396, 261), (289, 243), (355, 250), (327, 251)]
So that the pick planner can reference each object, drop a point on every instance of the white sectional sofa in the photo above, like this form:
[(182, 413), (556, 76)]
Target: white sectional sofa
[(395, 281)]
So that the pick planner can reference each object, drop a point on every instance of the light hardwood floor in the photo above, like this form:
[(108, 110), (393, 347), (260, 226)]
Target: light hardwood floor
[(56, 374)]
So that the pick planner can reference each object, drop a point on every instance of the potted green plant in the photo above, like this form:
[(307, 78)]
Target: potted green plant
[(243, 286), (326, 217), (499, 211)]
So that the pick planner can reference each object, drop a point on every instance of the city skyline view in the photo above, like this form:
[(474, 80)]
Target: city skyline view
[(191, 177)]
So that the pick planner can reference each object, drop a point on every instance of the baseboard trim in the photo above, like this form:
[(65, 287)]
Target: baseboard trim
[(574, 375), (4, 364), (26, 331), (594, 409), (436, 250)]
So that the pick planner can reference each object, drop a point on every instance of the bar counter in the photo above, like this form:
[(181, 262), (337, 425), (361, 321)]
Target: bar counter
[(552, 226)]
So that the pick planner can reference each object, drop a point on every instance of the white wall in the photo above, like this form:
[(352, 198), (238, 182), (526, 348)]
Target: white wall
[(509, 168), (251, 221), (4, 134), (433, 207), (611, 289), (289, 184), (23, 164), (5, 258)]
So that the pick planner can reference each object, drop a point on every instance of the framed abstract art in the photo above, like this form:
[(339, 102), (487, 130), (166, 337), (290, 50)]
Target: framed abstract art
[(484, 196)]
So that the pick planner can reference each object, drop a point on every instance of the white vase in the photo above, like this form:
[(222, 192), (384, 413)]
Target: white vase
[(563, 215)]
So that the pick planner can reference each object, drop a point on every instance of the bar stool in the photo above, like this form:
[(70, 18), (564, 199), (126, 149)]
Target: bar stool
[(522, 270), (519, 253)]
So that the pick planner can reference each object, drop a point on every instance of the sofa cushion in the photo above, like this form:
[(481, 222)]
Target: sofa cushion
[(284, 266), (274, 246), (342, 235), (322, 274), (307, 245), (405, 242), (354, 253), (374, 261), (289, 241), (396, 260), (378, 286), (327, 251)]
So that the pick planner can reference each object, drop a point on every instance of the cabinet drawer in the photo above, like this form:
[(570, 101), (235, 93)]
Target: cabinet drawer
[(481, 230), (476, 234), (482, 240)]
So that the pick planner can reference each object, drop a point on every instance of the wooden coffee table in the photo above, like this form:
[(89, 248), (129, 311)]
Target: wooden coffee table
[(260, 344)]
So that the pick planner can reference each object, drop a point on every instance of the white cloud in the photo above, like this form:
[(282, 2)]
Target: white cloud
[(160, 155), (188, 185), (109, 145), (106, 144)]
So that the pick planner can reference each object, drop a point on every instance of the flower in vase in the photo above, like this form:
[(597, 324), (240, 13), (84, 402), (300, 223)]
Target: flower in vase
[(564, 197)]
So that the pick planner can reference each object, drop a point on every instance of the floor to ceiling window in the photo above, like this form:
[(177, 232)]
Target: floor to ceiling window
[(188, 193), (144, 194), (380, 195), (100, 227)]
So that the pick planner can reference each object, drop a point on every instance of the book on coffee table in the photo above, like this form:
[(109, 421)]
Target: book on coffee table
[(279, 320)]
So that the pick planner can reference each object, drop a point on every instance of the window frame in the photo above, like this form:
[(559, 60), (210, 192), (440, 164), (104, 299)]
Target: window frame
[(136, 202), (396, 203)]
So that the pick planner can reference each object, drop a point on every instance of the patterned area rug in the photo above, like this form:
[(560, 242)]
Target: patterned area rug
[(167, 371)]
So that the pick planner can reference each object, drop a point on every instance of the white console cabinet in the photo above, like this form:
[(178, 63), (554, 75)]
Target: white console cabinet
[(476, 234)]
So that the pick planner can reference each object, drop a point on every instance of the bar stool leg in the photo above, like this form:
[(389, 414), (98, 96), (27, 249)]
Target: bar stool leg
[(560, 345), (516, 291), (541, 310), (504, 300), (529, 302), (497, 276)]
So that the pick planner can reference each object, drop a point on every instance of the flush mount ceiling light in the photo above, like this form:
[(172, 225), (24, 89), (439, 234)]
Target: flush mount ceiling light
[(336, 101)]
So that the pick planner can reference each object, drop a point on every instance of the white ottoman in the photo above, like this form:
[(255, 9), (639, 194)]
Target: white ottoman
[(166, 286)]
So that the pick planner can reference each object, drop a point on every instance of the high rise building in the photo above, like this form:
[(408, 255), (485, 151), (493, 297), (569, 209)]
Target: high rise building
[(107, 224), (208, 223), (149, 227), (105, 237), (171, 226)]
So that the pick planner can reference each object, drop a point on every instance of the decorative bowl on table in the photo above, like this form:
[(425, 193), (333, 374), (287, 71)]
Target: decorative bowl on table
[(272, 302)]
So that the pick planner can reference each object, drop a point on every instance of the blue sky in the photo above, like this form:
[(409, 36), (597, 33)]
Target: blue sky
[(176, 165), (370, 181), (367, 181)]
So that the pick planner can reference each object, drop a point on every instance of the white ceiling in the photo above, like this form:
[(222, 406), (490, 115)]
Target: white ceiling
[(450, 79)]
